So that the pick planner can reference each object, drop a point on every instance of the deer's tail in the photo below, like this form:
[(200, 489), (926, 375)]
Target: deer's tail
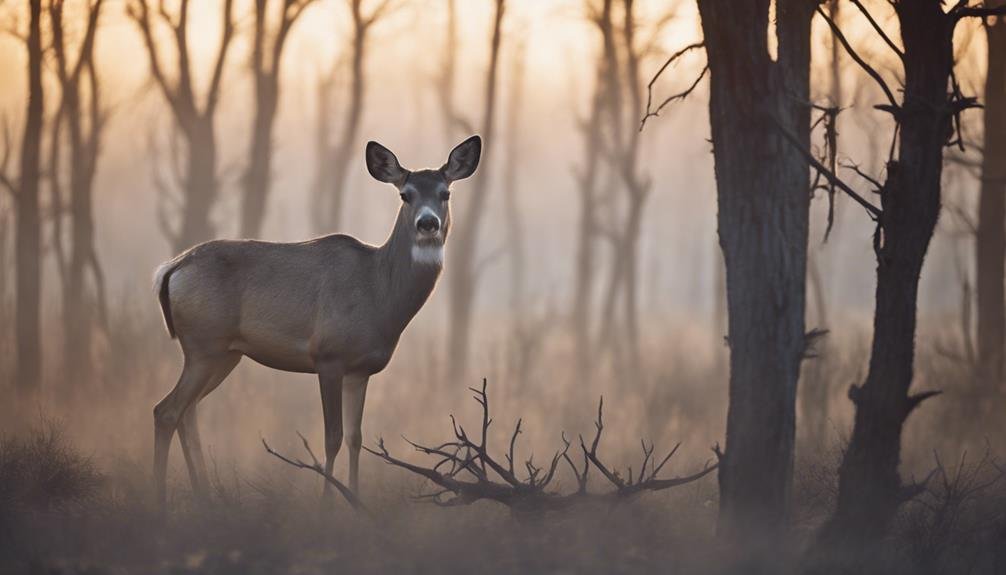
[(161, 276)]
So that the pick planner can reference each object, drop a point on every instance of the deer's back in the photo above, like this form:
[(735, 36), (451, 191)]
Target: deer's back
[(266, 299)]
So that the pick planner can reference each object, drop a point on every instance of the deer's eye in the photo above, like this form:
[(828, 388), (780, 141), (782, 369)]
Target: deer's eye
[(404, 196), (445, 195)]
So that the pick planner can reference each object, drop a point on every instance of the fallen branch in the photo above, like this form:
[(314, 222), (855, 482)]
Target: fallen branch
[(316, 467), (464, 471)]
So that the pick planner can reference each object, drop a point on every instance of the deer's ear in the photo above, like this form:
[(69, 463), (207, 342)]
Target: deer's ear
[(384, 166), (463, 160)]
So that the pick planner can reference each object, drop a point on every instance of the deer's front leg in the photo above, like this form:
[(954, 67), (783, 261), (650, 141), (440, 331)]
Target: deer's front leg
[(330, 380), (354, 393)]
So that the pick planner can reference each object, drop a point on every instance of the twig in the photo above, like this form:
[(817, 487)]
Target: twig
[(316, 467)]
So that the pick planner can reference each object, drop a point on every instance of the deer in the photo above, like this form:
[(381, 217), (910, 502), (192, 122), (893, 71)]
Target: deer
[(332, 306)]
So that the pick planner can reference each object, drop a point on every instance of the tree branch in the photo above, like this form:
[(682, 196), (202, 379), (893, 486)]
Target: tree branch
[(894, 108)]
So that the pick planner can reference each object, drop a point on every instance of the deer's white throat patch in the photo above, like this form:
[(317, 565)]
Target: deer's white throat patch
[(428, 254)]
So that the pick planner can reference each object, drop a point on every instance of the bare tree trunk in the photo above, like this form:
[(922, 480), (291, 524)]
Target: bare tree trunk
[(27, 241), (85, 143), (815, 395), (464, 270), (512, 190), (762, 192), (195, 124), (587, 176), (990, 251), (870, 489)]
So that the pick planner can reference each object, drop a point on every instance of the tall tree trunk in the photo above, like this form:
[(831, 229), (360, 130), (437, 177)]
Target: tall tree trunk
[(464, 270), (267, 55), (200, 191), (28, 244), (815, 395), (587, 176), (79, 306), (762, 191), (512, 191), (870, 489), (194, 122), (329, 202), (990, 250)]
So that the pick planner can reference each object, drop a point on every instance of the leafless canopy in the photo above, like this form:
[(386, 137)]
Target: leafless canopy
[(464, 471)]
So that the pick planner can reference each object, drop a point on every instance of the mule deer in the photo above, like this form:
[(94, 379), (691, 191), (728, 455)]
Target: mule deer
[(331, 305)]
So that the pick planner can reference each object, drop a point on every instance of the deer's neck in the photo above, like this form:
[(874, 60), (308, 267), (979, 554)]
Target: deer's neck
[(409, 274)]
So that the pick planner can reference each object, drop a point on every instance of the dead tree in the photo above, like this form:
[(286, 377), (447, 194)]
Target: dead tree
[(27, 239), (464, 471), (517, 249), (588, 176), (814, 394), (197, 175), (330, 180), (267, 55), (990, 245), (465, 269), (453, 121), (870, 488), (81, 112), (763, 199)]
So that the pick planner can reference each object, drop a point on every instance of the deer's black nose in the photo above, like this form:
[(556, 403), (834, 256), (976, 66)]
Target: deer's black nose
[(428, 223)]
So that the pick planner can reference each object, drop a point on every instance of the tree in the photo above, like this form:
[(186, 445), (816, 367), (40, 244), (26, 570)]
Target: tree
[(28, 253), (194, 123), (990, 252), (330, 180), (763, 198), (511, 188), (588, 177), (464, 270), (870, 489), (84, 120), (267, 55)]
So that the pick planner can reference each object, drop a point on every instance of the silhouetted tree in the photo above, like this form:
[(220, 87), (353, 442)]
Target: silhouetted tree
[(330, 180), (626, 98), (267, 55), (455, 124), (763, 198), (516, 244), (28, 253), (81, 112), (870, 488), (588, 177), (464, 270), (990, 252), (194, 123), (815, 394)]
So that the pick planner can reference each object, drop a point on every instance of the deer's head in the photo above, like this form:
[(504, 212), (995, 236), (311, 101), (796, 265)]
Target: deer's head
[(426, 194)]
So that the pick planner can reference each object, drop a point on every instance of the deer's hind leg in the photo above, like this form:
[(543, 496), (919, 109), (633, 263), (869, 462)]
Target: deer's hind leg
[(188, 428), (197, 372)]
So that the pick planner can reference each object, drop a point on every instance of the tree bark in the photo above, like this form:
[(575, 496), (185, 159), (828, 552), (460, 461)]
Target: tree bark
[(463, 269), (27, 242), (990, 249), (870, 489), (763, 197)]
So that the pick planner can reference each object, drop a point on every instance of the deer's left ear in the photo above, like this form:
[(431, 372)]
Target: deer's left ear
[(463, 160), (384, 166)]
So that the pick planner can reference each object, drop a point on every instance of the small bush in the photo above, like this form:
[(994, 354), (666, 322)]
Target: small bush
[(43, 471)]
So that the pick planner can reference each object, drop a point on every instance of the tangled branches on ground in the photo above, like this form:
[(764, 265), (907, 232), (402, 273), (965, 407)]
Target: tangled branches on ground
[(464, 471)]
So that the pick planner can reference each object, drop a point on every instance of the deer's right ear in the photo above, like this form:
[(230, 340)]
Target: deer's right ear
[(384, 166)]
